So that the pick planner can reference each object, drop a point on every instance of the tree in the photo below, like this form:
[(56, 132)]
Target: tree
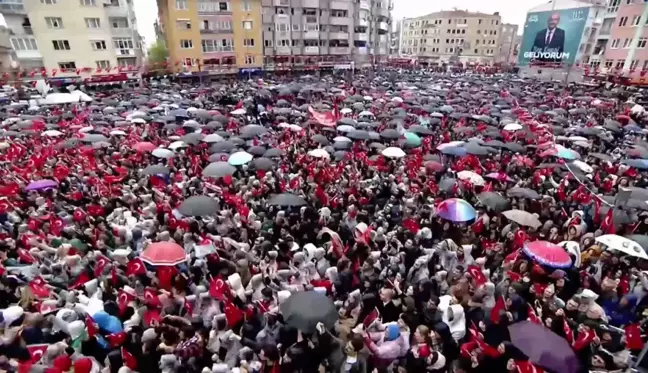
[(157, 53)]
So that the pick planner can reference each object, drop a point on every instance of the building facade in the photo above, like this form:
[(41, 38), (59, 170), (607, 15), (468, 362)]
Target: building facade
[(73, 37), (508, 43), (212, 36), (340, 33), (452, 36)]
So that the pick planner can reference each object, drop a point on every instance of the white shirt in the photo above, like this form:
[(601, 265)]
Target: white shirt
[(549, 35)]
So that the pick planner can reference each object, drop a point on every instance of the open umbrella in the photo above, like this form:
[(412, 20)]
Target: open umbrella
[(156, 169), (287, 199), (303, 310), (144, 146), (199, 206), (393, 152), (456, 209), (472, 177), (548, 254), (523, 218), (494, 200), (523, 192), (319, 153), (239, 158), (622, 244), (164, 254), (543, 347), (219, 169), (41, 185)]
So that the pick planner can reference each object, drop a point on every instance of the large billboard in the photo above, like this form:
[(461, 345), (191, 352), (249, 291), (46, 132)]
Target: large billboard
[(552, 36)]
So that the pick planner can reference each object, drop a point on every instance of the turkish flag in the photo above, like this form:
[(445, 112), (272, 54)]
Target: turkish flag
[(26, 257), (527, 367), (123, 299), (165, 276), (80, 280), (151, 316), (100, 264), (78, 215), (500, 306), (219, 289), (477, 275), (39, 290), (233, 314), (370, 318), (607, 226), (532, 316), (151, 297), (135, 267), (128, 359), (45, 308), (91, 326), (116, 339), (36, 352), (633, 339)]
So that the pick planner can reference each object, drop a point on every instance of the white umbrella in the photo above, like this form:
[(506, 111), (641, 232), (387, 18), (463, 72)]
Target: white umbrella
[(117, 133), (393, 152), (192, 109), (397, 99), (513, 127), (240, 111), (319, 153), (345, 128), (625, 245), (637, 109), (346, 110), (367, 98), (283, 125), (474, 178), (138, 121), (295, 128), (573, 248), (86, 129), (450, 144), (366, 113), (177, 145), (134, 114), (162, 153), (342, 139), (213, 137), (583, 166), (577, 138), (52, 133)]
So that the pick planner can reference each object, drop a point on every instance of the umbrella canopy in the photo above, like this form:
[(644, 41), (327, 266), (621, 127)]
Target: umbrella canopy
[(287, 199), (494, 201), (543, 347), (523, 192), (219, 169), (472, 177), (199, 206), (162, 153), (156, 169), (622, 244), (144, 146), (303, 310), (523, 218), (41, 185), (239, 158), (393, 152), (319, 153), (548, 254), (456, 209), (164, 254)]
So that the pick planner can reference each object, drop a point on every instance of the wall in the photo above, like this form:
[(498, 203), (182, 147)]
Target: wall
[(254, 15)]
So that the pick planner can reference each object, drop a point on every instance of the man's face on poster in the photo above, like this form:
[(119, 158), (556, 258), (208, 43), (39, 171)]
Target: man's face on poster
[(553, 21)]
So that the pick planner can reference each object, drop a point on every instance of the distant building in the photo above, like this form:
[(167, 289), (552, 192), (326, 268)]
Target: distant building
[(507, 43)]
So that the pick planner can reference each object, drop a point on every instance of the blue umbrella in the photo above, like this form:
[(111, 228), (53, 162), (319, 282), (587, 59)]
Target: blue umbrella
[(454, 150), (632, 128), (107, 322), (641, 164)]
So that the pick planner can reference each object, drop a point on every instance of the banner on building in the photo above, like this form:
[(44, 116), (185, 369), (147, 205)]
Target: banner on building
[(552, 36)]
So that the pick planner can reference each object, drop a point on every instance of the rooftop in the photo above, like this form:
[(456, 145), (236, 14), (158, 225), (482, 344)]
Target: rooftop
[(457, 13)]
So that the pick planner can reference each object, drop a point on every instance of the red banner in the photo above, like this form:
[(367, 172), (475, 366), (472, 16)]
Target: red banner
[(324, 119)]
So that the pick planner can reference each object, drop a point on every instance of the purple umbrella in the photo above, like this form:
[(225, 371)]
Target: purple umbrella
[(41, 185), (544, 348)]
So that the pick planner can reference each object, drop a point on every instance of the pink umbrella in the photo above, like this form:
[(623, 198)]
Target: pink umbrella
[(144, 146), (164, 254), (548, 254)]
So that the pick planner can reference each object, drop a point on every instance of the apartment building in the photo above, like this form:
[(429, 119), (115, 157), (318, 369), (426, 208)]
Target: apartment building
[(508, 43), (7, 55), (73, 37), (205, 36), (395, 39), (452, 36), (337, 33)]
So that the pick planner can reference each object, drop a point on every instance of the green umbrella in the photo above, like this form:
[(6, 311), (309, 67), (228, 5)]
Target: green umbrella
[(412, 139), (78, 244)]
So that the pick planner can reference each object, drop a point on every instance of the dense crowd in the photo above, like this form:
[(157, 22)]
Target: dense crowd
[(400, 223)]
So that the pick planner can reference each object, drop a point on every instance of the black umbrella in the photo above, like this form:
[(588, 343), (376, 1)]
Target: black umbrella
[(272, 153), (287, 199), (156, 169), (494, 200), (224, 147), (303, 310), (199, 206), (256, 150), (641, 239), (524, 193), (514, 147), (420, 130), (252, 130), (320, 139), (358, 135), (218, 169), (390, 134), (263, 164), (445, 185), (601, 156)]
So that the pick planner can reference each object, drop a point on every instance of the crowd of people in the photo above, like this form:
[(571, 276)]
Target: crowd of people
[(407, 223)]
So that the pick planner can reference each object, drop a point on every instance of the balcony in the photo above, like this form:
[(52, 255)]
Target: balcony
[(28, 30), (125, 52), (339, 50), (283, 51), (335, 35), (268, 51), (361, 37), (310, 4), (12, 9), (311, 34), (117, 11), (281, 2), (341, 21), (311, 50), (383, 26), (362, 23), (121, 31), (362, 50), (216, 31), (382, 12), (268, 18), (28, 55), (364, 5)]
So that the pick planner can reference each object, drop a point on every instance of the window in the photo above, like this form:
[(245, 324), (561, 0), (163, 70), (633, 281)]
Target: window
[(67, 65), (48, 2), (118, 22), (627, 42), (226, 45), (61, 45), (295, 27), (92, 23), (126, 62), (246, 6), (267, 43), (615, 44), (98, 45), (619, 64), (123, 43), (186, 43), (248, 42), (24, 44), (282, 27), (642, 42), (88, 2), (183, 24), (224, 6), (247, 25), (54, 22), (623, 21), (209, 45), (628, 2), (249, 60), (103, 64), (181, 4), (635, 21), (634, 64), (608, 64)]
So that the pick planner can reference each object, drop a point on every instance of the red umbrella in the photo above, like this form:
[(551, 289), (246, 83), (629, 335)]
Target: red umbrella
[(144, 147), (623, 118), (164, 254), (547, 253), (434, 166)]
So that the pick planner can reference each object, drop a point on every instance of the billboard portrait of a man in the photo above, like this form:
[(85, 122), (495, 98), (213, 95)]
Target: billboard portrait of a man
[(550, 40)]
